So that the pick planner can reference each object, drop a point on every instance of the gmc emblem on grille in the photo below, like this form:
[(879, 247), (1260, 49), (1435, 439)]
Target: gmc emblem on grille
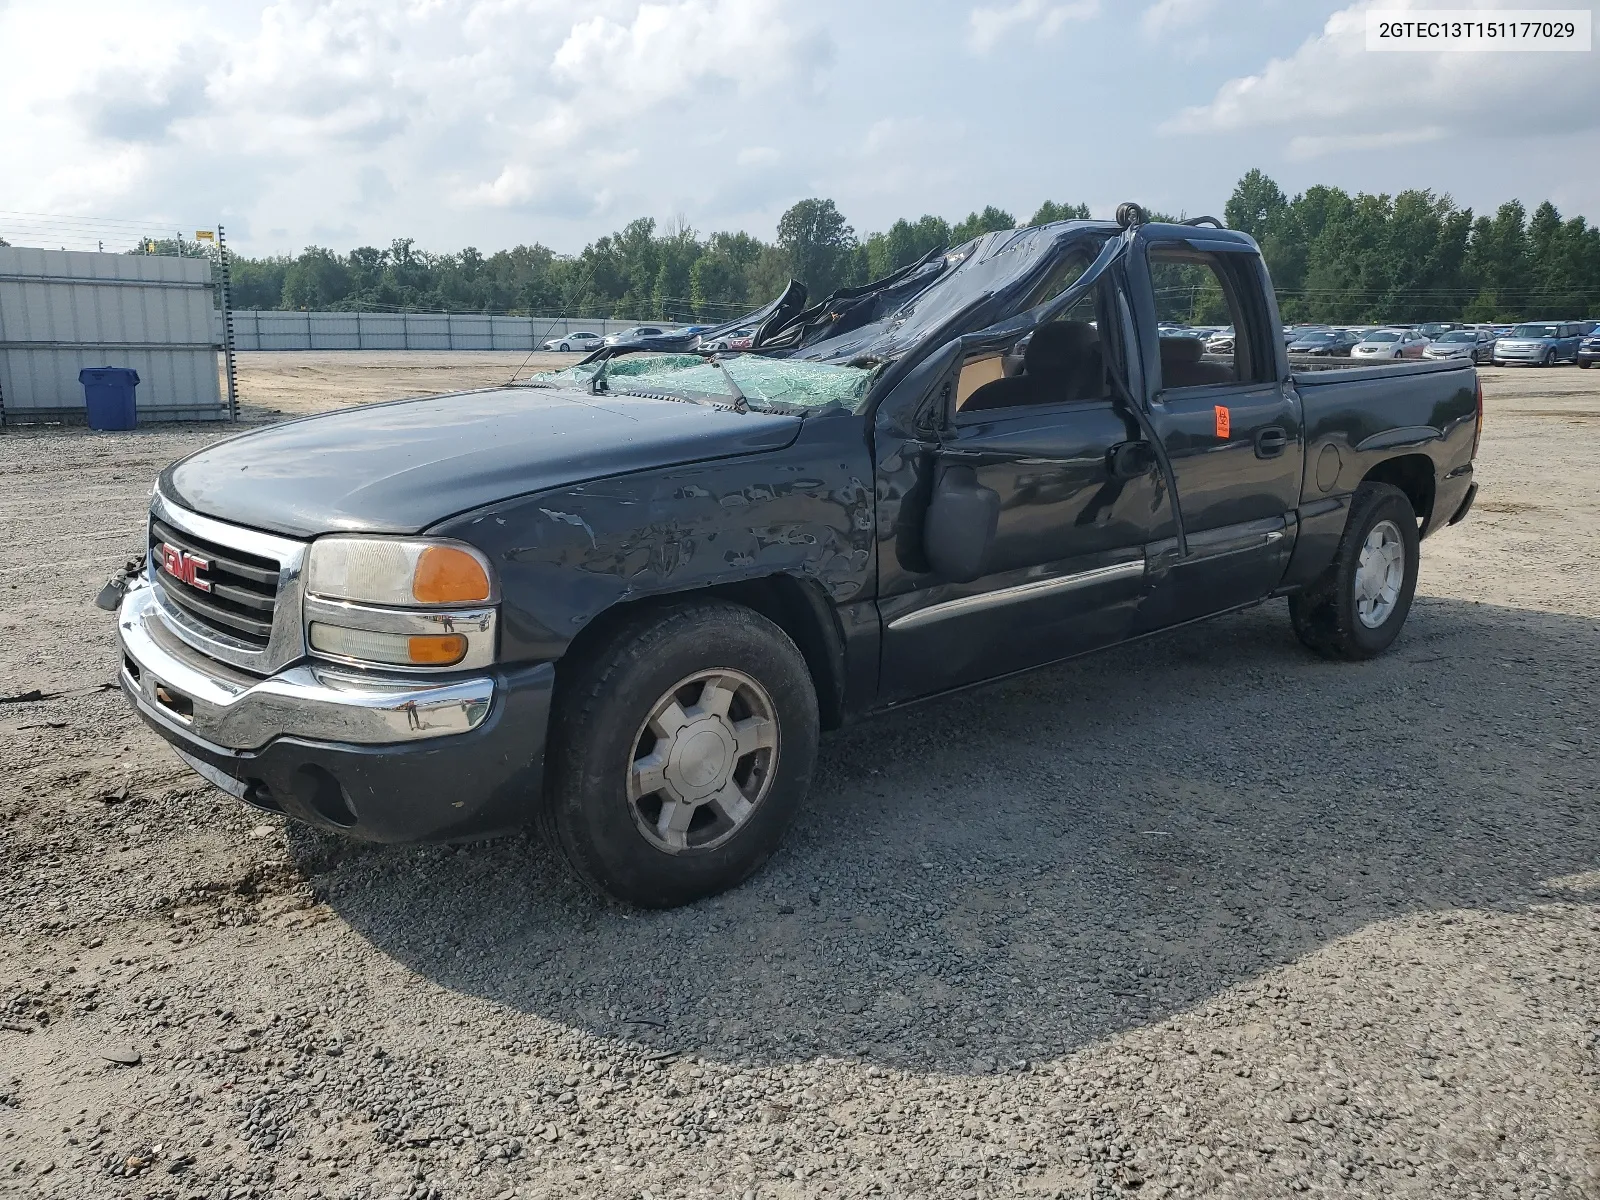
[(185, 567)]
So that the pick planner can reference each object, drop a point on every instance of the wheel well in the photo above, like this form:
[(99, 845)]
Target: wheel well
[(1413, 475), (795, 606)]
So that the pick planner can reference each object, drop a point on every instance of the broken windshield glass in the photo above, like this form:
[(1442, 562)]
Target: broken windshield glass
[(777, 384)]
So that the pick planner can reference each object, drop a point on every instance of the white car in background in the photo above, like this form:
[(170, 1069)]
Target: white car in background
[(1390, 343), (581, 340)]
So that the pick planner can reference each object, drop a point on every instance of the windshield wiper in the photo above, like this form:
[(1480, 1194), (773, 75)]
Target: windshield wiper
[(598, 376), (740, 404)]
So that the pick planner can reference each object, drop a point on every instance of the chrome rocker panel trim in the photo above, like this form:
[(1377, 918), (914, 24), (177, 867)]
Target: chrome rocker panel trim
[(1031, 590)]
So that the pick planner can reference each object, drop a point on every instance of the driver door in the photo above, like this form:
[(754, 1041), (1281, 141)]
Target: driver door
[(1077, 502)]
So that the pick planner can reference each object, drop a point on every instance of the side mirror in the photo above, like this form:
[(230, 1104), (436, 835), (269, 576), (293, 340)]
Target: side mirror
[(960, 527)]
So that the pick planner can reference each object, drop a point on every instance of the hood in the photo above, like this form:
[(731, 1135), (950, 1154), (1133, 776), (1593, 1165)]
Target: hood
[(404, 466)]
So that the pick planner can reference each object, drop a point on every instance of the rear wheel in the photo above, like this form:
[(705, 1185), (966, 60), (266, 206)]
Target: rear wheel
[(1358, 606), (683, 746)]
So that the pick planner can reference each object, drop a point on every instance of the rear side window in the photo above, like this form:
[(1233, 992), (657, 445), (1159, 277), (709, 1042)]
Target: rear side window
[(1194, 287)]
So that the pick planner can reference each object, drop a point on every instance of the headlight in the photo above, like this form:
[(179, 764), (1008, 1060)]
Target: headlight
[(400, 602), (398, 571)]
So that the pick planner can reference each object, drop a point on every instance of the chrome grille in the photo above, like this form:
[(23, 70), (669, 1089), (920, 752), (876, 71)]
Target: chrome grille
[(242, 589), (250, 616)]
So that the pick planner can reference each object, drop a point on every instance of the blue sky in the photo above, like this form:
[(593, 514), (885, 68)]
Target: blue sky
[(492, 122)]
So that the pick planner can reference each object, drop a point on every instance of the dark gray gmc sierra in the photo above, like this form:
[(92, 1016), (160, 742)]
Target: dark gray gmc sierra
[(621, 601)]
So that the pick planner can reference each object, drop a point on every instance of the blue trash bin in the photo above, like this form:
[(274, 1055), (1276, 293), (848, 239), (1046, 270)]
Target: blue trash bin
[(108, 395)]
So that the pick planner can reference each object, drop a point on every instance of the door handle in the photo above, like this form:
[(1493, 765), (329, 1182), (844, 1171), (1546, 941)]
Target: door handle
[(1271, 442)]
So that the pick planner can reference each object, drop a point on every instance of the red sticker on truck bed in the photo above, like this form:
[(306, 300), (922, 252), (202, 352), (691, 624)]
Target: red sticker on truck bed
[(1222, 420)]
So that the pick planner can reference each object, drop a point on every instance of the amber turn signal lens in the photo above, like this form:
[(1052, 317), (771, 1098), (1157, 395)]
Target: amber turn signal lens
[(446, 575), (437, 650)]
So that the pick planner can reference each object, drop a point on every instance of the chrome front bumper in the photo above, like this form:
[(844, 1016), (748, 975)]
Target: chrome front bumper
[(203, 700)]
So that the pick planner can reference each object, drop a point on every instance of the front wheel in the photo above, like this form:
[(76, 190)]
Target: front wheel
[(1358, 606), (566, 349), (1549, 359), (1583, 364), (683, 745)]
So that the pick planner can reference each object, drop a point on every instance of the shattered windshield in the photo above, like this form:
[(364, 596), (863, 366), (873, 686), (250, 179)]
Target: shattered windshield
[(775, 384)]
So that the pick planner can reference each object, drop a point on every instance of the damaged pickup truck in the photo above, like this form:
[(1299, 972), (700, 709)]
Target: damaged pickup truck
[(621, 602)]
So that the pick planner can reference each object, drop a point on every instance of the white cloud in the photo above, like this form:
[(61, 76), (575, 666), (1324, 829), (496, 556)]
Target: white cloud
[(1336, 95), (1026, 19), (1314, 145), (757, 156), (1166, 16), (308, 111)]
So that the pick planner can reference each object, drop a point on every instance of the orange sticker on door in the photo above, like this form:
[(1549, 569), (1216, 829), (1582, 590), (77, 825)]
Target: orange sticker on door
[(1222, 420)]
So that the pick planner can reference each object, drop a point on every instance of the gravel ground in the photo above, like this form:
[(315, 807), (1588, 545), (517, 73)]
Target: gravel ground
[(1203, 916), (291, 383)]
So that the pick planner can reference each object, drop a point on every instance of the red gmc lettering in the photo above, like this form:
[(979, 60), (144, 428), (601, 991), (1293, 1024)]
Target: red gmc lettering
[(185, 567)]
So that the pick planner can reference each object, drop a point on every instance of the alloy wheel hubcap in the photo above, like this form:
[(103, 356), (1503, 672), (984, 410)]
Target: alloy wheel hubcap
[(1380, 574), (703, 760)]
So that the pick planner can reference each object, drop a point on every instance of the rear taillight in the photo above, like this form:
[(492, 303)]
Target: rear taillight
[(1477, 434)]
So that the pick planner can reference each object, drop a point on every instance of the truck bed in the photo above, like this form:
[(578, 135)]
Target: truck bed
[(1310, 371)]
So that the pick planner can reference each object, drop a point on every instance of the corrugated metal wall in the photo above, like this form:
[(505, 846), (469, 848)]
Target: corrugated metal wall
[(62, 310), (269, 330)]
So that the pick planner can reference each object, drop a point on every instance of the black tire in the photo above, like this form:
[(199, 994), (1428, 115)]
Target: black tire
[(1584, 364), (1549, 359), (566, 348), (1325, 615), (602, 708)]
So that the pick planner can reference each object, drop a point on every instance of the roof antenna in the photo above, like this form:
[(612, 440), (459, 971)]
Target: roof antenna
[(1130, 214)]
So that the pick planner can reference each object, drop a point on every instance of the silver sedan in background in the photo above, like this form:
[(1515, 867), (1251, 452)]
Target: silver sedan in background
[(1478, 344)]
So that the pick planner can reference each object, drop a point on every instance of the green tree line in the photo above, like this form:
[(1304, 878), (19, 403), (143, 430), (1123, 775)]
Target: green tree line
[(1415, 256), (1334, 257)]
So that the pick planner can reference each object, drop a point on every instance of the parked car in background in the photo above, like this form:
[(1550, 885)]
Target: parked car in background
[(1433, 329), (582, 340), (1589, 348), (1220, 342), (1477, 344), (1539, 343), (1589, 326), (1390, 343), (1293, 333), (634, 334), (1325, 342), (739, 339)]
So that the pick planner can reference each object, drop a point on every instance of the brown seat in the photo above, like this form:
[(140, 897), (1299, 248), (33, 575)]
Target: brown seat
[(1182, 364), (1062, 363)]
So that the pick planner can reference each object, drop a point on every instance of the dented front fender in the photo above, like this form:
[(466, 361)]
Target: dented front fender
[(567, 555)]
